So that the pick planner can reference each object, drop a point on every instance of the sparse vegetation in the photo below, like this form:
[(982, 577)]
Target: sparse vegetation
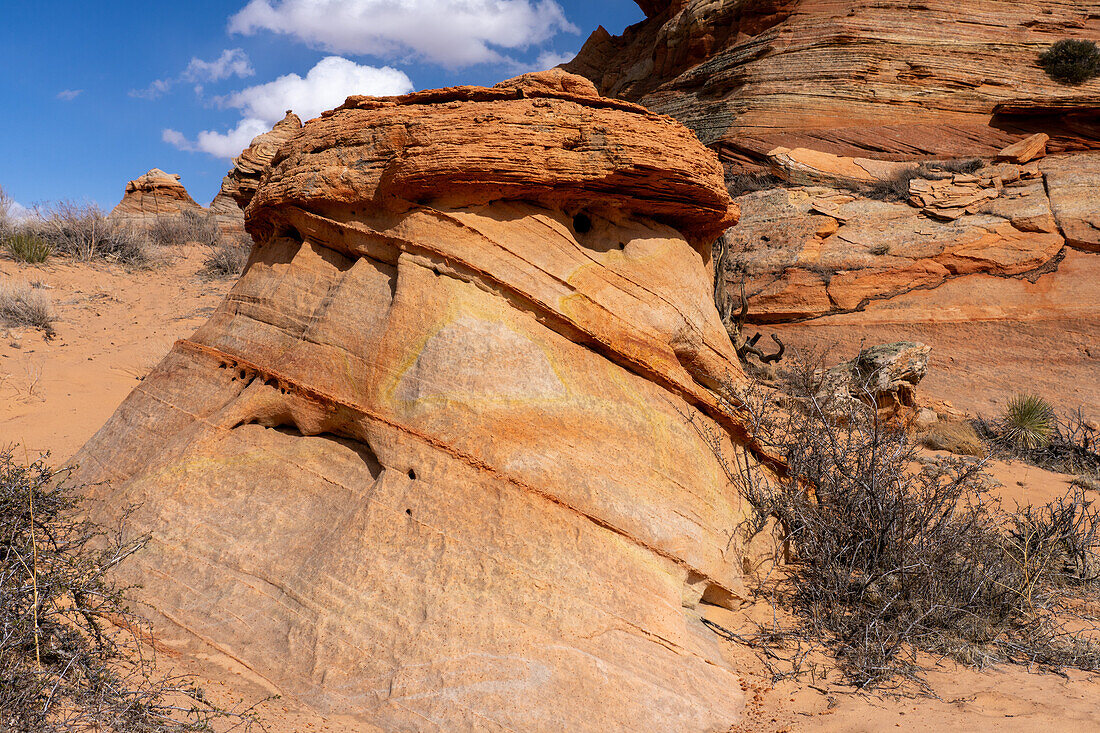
[(22, 305), (227, 258), (890, 562), (894, 188), (1072, 444), (965, 165), (84, 233), (741, 183), (73, 656), (1027, 422), (188, 227), (959, 438), (1071, 61), (27, 246)]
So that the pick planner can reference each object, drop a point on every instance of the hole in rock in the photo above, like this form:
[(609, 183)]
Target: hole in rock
[(412, 474), (582, 223), (409, 512), (290, 232)]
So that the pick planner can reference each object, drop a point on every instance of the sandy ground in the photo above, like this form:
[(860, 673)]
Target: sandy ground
[(115, 324)]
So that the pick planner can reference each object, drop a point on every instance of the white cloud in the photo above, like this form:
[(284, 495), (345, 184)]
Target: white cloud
[(325, 86), (69, 95), (550, 59), (232, 62), (449, 32)]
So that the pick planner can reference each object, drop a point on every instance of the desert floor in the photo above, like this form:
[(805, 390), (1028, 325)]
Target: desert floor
[(114, 324)]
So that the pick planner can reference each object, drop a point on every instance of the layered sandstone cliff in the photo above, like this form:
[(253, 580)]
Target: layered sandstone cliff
[(238, 186), (444, 458), (893, 79), (152, 196)]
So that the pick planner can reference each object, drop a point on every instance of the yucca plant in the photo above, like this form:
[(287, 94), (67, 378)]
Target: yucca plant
[(28, 247), (1028, 422)]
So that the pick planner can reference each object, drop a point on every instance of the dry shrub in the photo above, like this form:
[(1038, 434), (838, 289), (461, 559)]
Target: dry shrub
[(1087, 483), (71, 651), (894, 188), (22, 305), (742, 183), (937, 168), (959, 438), (227, 258), (1069, 444), (890, 561), (84, 233), (188, 227)]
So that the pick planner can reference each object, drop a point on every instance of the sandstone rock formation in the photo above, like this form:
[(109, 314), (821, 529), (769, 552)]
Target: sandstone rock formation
[(444, 457), (241, 182), (892, 79), (809, 251), (151, 196)]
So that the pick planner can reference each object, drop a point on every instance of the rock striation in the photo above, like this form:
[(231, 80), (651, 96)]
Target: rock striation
[(810, 251), (444, 458), (152, 196), (890, 80), (238, 186)]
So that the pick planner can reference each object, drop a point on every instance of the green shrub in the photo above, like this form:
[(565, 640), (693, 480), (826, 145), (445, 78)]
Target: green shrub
[(1027, 422), (26, 246), (1071, 61)]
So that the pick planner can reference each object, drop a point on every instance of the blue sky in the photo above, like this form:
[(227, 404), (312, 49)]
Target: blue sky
[(97, 93)]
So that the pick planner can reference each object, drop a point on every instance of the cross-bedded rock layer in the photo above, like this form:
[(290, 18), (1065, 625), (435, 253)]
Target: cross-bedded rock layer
[(152, 196), (892, 79), (444, 457)]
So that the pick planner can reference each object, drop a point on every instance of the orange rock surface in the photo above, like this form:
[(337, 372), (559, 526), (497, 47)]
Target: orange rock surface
[(890, 79), (151, 196), (240, 183), (443, 458)]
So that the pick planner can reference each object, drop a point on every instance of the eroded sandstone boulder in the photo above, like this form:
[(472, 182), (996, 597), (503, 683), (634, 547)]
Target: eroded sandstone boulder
[(152, 196), (444, 457), (238, 186)]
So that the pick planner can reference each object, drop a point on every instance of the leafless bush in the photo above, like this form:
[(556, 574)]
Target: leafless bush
[(890, 561), (23, 305), (188, 227), (742, 183), (937, 168), (84, 233), (894, 188), (73, 657), (227, 258)]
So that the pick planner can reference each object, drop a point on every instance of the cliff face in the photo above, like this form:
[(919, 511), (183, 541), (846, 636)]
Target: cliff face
[(444, 453), (890, 79)]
